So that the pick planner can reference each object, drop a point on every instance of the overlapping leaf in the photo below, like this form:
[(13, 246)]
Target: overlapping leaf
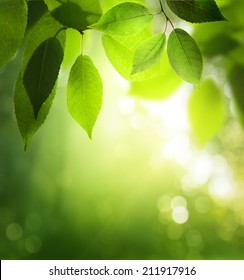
[(120, 51), (42, 72), (159, 87), (46, 28), (185, 56), (13, 20), (148, 53), (196, 11), (124, 19), (84, 93), (71, 15)]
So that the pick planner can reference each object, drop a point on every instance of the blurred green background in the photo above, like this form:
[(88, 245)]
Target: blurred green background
[(141, 189)]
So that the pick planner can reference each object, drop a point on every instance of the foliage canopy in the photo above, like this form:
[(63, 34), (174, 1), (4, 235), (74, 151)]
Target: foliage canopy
[(132, 47)]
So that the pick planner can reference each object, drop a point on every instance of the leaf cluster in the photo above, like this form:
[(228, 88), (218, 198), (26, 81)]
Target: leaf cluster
[(131, 47)]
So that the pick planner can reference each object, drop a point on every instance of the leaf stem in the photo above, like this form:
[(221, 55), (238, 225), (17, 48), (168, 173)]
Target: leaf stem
[(167, 18)]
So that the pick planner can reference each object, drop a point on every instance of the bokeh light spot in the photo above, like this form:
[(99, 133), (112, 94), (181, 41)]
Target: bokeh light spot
[(180, 214), (178, 201), (14, 232), (33, 244)]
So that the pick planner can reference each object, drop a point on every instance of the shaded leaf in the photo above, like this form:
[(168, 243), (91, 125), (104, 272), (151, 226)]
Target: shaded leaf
[(42, 72), (36, 10), (185, 56), (47, 27), (148, 53), (13, 21), (84, 93), (206, 111), (236, 80), (91, 7), (124, 19), (71, 15), (196, 10)]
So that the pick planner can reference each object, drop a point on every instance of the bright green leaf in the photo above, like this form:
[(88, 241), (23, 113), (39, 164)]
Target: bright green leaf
[(148, 53), (84, 93), (159, 87), (185, 56), (124, 19), (13, 21), (71, 15), (120, 52), (206, 111), (46, 28), (42, 72), (196, 10)]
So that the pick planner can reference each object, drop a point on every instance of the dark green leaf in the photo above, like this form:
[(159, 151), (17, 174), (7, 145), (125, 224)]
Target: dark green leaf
[(36, 9), (196, 10), (206, 111), (236, 80), (91, 7), (84, 93), (124, 19), (185, 56), (42, 72), (148, 53), (71, 15), (45, 28), (13, 20)]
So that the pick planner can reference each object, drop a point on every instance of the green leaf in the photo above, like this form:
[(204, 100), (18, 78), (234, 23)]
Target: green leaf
[(185, 56), (124, 19), (84, 93), (196, 11), (28, 124), (42, 72), (46, 28), (66, 14), (120, 52), (148, 53), (71, 15), (159, 87), (36, 10), (206, 111), (236, 80), (13, 21)]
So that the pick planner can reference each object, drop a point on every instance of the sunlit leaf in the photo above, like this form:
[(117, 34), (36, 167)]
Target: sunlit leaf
[(71, 15), (120, 52), (42, 72), (206, 111), (46, 28), (148, 53), (124, 19), (196, 10), (84, 93), (159, 87), (13, 20), (185, 56)]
